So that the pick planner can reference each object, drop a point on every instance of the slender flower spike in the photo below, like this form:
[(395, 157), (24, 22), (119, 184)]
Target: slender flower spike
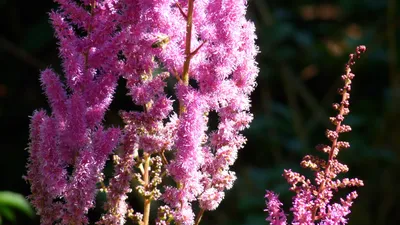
[(312, 203), (276, 214)]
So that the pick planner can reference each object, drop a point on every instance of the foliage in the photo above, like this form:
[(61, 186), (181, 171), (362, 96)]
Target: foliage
[(10, 203)]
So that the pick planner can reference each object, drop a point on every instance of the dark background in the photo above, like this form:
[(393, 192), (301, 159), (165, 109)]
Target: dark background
[(304, 46)]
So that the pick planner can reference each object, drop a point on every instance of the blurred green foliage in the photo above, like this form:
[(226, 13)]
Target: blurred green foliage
[(11, 202), (304, 45)]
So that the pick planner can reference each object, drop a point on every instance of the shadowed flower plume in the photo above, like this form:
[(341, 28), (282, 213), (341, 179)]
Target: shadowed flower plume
[(69, 147)]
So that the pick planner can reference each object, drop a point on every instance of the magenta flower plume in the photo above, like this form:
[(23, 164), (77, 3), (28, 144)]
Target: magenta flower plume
[(120, 184), (72, 137), (185, 168), (313, 203), (41, 197), (212, 44), (276, 214)]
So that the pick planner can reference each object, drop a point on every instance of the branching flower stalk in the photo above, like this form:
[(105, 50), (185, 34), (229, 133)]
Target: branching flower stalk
[(208, 46), (312, 202)]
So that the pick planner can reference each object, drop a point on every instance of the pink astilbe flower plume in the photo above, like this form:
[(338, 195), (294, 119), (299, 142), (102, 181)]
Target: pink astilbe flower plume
[(216, 49), (212, 44), (69, 147), (312, 203), (276, 214), (41, 196)]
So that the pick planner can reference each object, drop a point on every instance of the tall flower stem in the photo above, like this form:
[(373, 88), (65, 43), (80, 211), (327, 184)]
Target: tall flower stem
[(146, 179), (189, 21), (199, 216), (343, 111), (334, 142), (89, 30), (185, 74)]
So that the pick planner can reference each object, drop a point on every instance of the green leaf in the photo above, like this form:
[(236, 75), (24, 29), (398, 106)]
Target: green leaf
[(14, 200), (7, 213)]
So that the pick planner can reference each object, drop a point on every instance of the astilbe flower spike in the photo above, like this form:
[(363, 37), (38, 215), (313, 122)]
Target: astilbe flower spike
[(69, 147), (312, 203)]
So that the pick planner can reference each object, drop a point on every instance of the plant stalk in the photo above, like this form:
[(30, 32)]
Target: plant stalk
[(146, 179)]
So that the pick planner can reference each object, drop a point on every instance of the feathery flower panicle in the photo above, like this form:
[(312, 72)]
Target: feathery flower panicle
[(312, 203), (72, 137), (211, 44), (276, 214), (119, 186)]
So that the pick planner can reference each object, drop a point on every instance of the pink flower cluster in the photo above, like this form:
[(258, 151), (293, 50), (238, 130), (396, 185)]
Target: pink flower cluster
[(206, 49), (313, 203), (69, 147)]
